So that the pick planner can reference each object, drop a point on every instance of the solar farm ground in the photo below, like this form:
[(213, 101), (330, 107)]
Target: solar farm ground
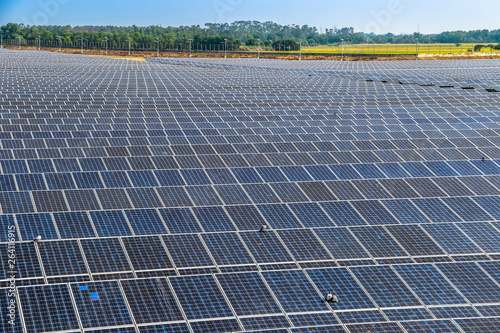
[(150, 184)]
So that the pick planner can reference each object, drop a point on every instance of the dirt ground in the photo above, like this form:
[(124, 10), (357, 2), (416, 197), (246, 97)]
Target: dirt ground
[(139, 55)]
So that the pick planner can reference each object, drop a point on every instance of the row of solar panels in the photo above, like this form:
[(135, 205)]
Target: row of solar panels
[(261, 294), (228, 251)]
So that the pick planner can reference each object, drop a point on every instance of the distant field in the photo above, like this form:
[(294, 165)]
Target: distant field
[(383, 49)]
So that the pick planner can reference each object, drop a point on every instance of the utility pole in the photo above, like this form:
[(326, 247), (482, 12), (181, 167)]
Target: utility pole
[(106, 40), (300, 51), (129, 46), (60, 44), (258, 50), (416, 56), (39, 42), (158, 49)]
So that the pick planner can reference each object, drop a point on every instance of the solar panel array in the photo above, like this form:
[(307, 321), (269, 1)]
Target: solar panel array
[(150, 182)]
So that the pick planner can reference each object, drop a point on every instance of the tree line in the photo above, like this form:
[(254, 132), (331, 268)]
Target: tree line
[(238, 33)]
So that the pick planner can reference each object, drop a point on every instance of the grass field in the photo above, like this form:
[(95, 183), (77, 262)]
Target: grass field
[(384, 49)]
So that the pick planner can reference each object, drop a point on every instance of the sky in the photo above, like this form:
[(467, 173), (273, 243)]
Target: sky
[(377, 16)]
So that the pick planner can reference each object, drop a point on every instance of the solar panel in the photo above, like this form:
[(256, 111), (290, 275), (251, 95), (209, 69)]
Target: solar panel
[(168, 170), (100, 304)]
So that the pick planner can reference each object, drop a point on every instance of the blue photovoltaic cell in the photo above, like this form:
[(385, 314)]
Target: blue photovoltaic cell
[(361, 316), (393, 170), (464, 168), (25, 264), (88, 180), (320, 172), (467, 209), (145, 222), (271, 174), (454, 312), (296, 173), (265, 247), (342, 213), (62, 258), (313, 319), (74, 225), (216, 326), (489, 310), (303, 245), (221, 176), (257, 300), (487, 167), (30, 182), (479, 325), (384, 286), (105, 255), (492, 268), (279, 216), (375, 327), (294, 291), (143, 198), (345, 171), (16, 202), (341, 283), (171, 328), (414, 240), (59, 181), (407, 314), (311, 215), (100, 304), (417, 169), (110, 223), (436, 210), (200, 297), (7, 183), (451, 239), (227, 249), (471, 281), (378, 242), (146, 253), (341, 243), (180, 220), (246, 217), (490, 204), (48, 308), (483, 234), (144, 178), (405, 211), (32, 225), (256, 323), (374, 212), (169, 177), (246, 175), (195, 177), (441, 169), (430, 326), (213, 219), (368, 171), (10, 324), (187, 250), (151, 300)]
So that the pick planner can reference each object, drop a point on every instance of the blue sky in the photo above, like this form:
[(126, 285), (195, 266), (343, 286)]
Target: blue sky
[(379, 16)]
